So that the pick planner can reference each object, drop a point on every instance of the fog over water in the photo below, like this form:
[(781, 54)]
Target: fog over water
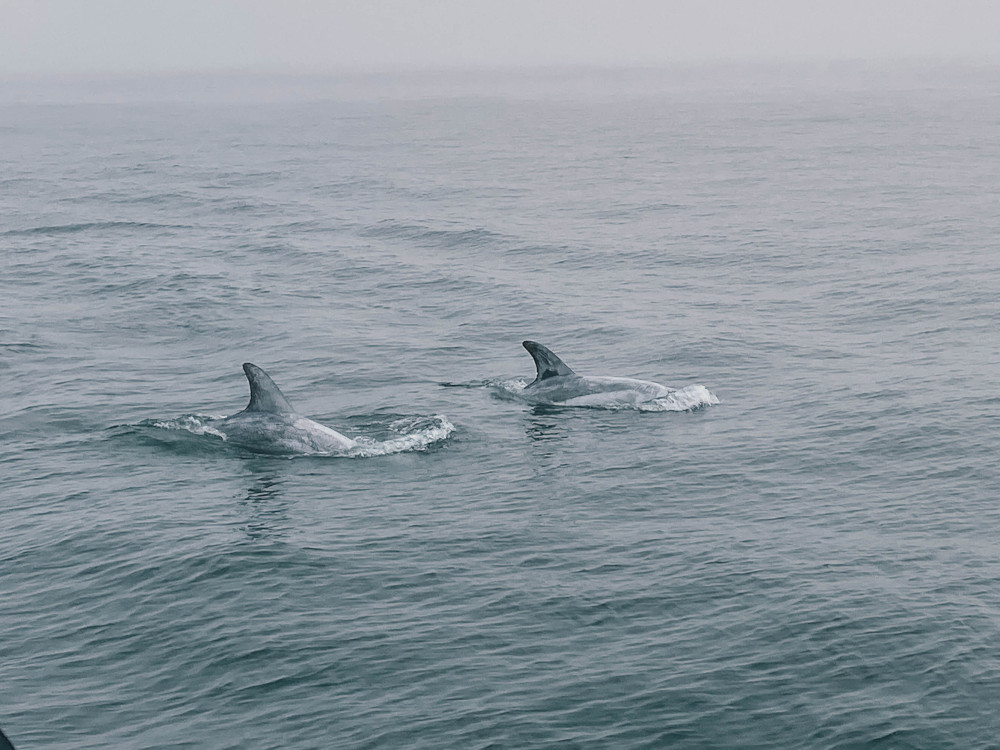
[(127, 37)]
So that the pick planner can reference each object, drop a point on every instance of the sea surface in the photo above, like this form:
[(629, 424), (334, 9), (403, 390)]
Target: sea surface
[(808, 557)]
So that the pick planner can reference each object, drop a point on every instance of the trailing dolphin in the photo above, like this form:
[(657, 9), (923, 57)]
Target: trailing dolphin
[(270, 424), (555, 383)]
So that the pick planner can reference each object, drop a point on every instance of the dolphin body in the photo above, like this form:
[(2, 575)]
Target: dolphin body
[(269, 424), (556, 383)]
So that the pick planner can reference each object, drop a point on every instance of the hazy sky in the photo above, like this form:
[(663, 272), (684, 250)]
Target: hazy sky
[(141, 36)]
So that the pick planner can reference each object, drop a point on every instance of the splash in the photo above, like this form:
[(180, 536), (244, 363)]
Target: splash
[(415, 434), (688, 398)]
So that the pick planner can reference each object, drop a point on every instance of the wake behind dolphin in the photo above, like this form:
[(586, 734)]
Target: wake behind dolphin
[(556, 384)]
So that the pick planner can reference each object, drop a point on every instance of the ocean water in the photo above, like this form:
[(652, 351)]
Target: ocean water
[(812, 561)]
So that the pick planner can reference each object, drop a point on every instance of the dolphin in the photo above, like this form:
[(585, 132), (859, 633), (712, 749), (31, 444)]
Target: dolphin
[(269, 423), (556, 383)]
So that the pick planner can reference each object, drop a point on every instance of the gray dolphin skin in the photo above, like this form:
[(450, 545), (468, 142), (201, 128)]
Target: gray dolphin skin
[(556, 383), (269, 424)]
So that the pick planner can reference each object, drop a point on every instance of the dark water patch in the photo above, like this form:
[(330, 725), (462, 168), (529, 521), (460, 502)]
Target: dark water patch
[(58, 229), (20, 347), (465, 238), (166, 200)]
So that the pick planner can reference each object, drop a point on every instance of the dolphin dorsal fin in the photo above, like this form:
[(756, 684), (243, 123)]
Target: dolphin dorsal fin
[(264, 394), (547, 364)]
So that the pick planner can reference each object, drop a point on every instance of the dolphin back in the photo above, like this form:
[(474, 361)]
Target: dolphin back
[(264, 394), (547, 364)]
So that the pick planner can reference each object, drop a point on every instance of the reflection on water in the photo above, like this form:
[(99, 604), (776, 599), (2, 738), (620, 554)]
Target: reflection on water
[(543, 424), (267, 512)]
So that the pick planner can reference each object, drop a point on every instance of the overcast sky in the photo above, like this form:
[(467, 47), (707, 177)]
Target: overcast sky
[(143, 36)]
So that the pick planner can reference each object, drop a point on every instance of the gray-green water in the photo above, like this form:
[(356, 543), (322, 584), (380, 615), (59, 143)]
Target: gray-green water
[(812, 562)]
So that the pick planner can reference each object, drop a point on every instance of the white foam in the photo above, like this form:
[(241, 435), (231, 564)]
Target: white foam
[(196, 424), (685, 399), (418, 434), (508, 389)]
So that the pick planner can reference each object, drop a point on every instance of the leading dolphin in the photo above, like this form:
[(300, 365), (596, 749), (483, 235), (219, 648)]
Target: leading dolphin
[(270, 424), (556, 383)]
